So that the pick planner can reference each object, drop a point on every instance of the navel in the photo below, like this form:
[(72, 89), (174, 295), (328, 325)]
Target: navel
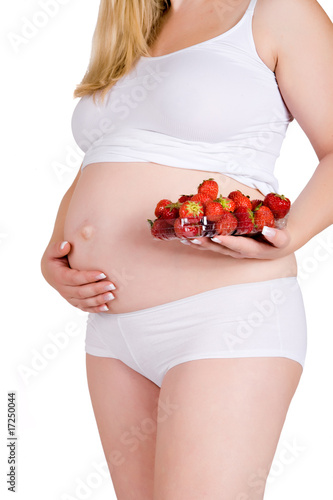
[(87, 232)]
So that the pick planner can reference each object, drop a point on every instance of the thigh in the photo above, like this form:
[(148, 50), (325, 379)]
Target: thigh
[(125, 407), (226, 428)]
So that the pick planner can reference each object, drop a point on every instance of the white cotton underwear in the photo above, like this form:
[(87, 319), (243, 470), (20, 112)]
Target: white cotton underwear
[(257, 319)]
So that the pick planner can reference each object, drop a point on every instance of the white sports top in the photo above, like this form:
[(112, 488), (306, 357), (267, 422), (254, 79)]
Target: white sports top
[(212, 106)]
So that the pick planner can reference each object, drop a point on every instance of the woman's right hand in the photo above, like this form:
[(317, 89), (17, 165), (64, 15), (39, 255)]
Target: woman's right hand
[(86, 290)]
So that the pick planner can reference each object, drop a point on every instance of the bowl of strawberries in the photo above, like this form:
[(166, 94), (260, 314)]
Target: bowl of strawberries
[(206, 213)]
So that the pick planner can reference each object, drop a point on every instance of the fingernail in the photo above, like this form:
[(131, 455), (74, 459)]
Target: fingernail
[(104, 308), (185, 242), (216, 240), (196, 242), (268, 231), (109, 287), (109, 296), (100, 276), (63, 244)]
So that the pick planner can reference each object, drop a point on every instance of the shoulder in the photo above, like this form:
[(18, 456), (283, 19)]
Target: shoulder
[(301, 36), (292, 21)]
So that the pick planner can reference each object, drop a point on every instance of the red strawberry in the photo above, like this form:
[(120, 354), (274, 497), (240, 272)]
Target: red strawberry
[(226, 224), (160, 207), (184, 230), (202, 197), (161, 229), (227, 203), (278, 203), (192, 210), (210, 187), (256, 203), (263, 216), (184, 197), (245, 220), (171, 212), (240, 199), (214, 210)]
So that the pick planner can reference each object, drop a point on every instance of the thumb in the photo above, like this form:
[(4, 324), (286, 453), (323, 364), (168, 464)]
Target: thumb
[(61, 249), (280, 238)]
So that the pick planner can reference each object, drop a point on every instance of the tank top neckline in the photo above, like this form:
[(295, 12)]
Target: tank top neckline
[(221, 35)]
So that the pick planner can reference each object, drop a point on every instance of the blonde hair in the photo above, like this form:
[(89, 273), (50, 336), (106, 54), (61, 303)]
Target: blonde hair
[(124, 31)]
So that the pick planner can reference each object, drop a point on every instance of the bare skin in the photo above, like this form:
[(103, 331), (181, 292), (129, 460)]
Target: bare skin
[(228, 413), (120, 243), (225, 428)]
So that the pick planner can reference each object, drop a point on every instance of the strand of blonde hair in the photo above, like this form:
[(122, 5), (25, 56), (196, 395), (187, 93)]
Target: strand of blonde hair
[(124, 31)]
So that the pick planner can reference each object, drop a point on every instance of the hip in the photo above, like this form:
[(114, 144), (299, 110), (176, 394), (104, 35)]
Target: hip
[(266, 318)]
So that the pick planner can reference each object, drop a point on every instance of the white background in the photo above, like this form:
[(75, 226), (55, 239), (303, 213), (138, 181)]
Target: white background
[(58, 442)]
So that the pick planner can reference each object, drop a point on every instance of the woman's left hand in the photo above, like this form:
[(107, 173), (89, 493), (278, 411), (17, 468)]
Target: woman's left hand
[(268, 246)]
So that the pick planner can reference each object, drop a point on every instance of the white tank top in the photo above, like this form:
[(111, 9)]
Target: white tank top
[(212, 106)]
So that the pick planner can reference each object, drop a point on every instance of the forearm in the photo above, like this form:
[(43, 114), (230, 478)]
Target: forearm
[(312, 211)]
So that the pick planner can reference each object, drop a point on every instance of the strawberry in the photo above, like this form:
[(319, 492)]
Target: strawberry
[(193, 210), (214, 210), (263, 216), (184, 197), (226, 224), (245, 220), (160, 206), (255, 204), (210, 187), (171, 212), (161, 229), (202, 197), (278, 203), (184, 230), (227, 203), (240, 199)]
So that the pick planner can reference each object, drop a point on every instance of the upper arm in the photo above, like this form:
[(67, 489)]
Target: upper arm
[(303, 37)]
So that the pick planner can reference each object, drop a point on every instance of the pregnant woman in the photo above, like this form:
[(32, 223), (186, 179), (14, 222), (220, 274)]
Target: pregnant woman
[(193, 352)]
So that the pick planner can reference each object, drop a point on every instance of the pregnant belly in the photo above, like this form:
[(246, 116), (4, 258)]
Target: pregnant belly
[(107, 227)]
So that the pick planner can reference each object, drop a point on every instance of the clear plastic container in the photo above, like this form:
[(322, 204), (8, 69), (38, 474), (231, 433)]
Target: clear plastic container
[(165, 230)]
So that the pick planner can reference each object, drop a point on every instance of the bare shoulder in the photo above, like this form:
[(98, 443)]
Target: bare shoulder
[(301, 35), (292, 20)]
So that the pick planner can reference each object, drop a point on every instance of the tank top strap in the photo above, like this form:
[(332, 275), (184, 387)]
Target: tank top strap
[(251, 6)]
